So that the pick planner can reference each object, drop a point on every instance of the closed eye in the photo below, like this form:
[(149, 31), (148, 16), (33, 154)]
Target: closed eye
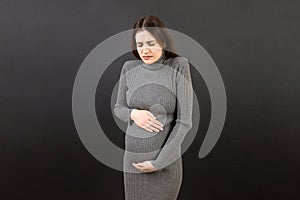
[(149, 45)]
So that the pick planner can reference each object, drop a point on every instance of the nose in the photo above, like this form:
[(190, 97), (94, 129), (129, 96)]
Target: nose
[(145, 50)]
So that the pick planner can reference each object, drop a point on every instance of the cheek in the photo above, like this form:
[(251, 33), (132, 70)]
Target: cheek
[(158, 52)]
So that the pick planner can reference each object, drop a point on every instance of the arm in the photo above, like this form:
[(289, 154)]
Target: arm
[(169, 152), (121, 109)]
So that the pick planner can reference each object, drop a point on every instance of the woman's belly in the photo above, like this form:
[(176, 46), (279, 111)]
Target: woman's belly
[(139, 140), (142, 145), (145, 148)]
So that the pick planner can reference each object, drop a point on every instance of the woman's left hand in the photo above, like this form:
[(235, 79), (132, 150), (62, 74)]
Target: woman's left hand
[(145, 166)]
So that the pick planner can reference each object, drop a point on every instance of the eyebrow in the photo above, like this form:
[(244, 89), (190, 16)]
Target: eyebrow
[(148, 41)]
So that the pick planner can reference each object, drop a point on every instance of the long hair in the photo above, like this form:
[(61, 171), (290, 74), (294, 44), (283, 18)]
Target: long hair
[(157, 28)]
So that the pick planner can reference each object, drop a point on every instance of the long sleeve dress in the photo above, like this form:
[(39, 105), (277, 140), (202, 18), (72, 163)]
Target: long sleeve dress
[(165, 89)]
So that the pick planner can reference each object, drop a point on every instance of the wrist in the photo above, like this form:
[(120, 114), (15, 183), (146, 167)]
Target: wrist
[(132, 114)]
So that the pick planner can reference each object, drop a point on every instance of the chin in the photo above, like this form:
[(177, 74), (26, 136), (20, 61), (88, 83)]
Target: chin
[(147, 61)]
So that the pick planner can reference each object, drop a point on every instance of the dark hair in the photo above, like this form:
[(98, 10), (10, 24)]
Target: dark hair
[(157, 28)]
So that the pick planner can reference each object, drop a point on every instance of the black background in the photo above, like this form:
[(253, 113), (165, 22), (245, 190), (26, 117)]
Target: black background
[(255, 45)]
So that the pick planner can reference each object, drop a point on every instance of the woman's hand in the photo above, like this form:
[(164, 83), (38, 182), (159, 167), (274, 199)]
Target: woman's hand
[(146, 120), (145, 166)]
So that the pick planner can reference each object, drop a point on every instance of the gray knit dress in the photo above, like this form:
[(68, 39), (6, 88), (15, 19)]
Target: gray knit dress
[(165, 89)]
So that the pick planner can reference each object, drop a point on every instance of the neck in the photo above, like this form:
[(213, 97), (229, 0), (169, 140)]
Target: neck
[(155, 65)]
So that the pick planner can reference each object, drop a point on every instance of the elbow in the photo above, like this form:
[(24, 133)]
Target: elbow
[(116, 111), (189, 125), (185, 124)]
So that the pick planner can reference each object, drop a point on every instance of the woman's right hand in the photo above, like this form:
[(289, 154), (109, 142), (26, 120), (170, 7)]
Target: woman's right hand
[(146, 120)]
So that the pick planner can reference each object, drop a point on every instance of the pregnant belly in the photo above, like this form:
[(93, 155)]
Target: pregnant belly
[(138, 140)]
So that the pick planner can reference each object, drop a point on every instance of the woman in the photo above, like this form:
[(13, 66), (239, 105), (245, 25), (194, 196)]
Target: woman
[(155, 98)]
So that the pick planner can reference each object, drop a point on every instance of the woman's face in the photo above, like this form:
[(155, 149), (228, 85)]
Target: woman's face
[(147, 46)]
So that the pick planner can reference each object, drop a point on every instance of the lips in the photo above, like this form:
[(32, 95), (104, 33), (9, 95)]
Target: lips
[(147, 57)]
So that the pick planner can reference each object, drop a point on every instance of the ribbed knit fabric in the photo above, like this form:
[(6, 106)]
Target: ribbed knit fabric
[(165, 89)]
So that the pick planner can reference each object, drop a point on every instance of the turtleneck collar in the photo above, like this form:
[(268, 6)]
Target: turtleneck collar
[(156, 65)]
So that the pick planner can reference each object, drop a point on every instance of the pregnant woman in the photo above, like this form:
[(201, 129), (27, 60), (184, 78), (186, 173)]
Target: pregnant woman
[(155, 99)]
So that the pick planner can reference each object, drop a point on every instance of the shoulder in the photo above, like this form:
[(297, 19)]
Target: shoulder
[(130, 64), (178, 62), (181, 67)]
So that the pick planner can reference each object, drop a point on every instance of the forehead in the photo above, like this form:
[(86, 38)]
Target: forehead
[(143, 36)]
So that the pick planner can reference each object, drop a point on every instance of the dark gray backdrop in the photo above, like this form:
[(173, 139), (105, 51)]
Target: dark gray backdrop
[(255, 44)]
